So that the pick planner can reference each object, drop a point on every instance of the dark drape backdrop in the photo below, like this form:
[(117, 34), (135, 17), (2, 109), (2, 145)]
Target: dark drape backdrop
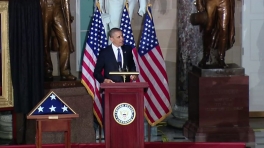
[(26, 53)]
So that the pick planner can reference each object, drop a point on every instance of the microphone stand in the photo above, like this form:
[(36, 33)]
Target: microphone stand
[(123, 73)]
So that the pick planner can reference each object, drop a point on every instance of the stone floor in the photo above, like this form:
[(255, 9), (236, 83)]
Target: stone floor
[(258, 126), (168, 133)]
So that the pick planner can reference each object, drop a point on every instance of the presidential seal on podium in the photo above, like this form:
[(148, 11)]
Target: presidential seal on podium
[(124, 113)]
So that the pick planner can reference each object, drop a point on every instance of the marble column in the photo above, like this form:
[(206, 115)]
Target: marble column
[(189, 53)]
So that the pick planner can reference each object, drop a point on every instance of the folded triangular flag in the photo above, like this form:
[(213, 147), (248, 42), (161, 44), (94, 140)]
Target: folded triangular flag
[(52, 104)]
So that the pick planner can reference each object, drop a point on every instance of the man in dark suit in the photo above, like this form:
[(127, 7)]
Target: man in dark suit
[(115, 57)]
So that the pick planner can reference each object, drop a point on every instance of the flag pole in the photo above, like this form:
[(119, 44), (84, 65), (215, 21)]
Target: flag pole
[(127, 6), (98, 5), (149, 5)]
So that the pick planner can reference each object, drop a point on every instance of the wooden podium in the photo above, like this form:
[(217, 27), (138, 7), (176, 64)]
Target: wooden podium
[(124, 114)]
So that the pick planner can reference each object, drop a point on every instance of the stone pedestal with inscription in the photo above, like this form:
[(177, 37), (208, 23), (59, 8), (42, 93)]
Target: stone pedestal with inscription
[(218, 105), (75, 95)]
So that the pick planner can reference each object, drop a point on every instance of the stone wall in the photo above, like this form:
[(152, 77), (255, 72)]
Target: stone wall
[(234, 54)]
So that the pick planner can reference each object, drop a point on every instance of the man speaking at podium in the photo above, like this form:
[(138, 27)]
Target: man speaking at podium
[(116, 57)]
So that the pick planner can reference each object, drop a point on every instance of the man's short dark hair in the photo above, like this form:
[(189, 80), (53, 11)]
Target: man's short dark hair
[(113, 30)]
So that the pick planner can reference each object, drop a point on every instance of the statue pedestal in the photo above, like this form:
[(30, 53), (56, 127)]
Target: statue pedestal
[(75, 95), (218, 105)]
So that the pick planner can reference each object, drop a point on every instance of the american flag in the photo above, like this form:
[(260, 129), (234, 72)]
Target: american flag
[(51, 105), (126, 28), (96, 40), (153, 71)]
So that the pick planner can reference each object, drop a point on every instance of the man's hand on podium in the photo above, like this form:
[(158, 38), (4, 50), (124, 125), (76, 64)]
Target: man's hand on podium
[(108, 81), (133, 77)]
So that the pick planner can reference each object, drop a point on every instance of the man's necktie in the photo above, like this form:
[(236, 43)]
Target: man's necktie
[(119, 58)]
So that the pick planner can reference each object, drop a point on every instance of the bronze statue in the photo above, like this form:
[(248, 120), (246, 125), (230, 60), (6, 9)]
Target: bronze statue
[(57, 31), (216, 19)]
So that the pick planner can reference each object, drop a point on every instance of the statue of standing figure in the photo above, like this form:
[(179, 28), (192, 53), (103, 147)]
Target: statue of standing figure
[(57, 31), (216, 18), (112, 11)]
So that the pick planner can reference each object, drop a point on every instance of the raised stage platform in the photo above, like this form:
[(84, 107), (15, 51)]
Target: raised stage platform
[(147, 145)]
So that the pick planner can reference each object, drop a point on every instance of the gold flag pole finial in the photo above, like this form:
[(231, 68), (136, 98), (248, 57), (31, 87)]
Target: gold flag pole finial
[(127, 6), (149, 5), (98, 6)]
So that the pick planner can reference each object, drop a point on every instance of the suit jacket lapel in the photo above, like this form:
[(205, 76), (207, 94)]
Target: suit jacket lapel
[(113, 57)]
